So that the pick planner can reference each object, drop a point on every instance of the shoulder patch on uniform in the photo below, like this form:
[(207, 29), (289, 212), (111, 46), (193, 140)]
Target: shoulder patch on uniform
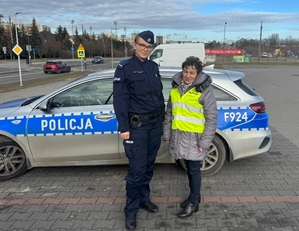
[(122, 63)]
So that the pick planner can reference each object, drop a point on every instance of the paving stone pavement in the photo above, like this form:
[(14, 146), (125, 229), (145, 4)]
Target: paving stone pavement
[(260, 193)]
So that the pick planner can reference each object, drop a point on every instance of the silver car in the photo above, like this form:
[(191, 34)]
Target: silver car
[(76, 125)]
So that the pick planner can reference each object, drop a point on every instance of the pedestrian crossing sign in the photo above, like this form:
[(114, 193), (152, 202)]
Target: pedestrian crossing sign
[(81, 51), (81, 54)]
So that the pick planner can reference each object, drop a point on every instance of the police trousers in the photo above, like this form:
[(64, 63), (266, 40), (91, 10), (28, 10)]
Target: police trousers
[(141, 150), (194, 176)]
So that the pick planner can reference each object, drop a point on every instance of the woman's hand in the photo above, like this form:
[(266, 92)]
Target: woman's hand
[(167, 141)]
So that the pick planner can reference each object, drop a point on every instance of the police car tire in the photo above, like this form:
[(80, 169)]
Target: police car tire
[(216, 158), (20, 168)]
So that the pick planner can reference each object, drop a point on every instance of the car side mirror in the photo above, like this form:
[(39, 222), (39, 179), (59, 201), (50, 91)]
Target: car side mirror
[(45, 105)]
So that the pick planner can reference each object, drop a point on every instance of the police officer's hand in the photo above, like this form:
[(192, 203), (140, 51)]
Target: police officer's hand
[(125, 135)]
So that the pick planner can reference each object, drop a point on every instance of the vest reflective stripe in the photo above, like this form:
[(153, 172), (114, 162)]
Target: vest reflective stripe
[(187, 112)]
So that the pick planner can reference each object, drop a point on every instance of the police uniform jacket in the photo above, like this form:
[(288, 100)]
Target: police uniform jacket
[(185, 145), (137, 89)]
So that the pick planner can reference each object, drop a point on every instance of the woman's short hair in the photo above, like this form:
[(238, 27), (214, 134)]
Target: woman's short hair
[(193, 61)]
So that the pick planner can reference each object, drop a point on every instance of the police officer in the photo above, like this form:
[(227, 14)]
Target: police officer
[(139, 107)]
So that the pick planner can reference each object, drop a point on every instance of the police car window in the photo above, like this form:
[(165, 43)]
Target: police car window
[(221, 95), (86, 94)]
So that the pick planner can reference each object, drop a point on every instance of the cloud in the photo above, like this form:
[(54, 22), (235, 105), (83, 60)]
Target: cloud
[(176, 15)]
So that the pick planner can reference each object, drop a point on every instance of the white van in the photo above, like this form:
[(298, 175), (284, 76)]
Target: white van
[(176, 54)]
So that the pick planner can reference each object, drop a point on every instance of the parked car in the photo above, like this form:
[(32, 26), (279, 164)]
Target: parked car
[(76, 125), (56, 67), (97, 59), (264, 55)]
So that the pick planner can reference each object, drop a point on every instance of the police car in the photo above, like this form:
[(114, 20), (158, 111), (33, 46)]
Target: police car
[(75, 125)]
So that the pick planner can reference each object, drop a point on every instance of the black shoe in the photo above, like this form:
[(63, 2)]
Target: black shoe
[(131, 222), (188, 211), (149, 206), (186, 202)]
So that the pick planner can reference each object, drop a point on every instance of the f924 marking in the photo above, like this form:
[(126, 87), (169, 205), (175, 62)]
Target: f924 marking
[(235, 116)]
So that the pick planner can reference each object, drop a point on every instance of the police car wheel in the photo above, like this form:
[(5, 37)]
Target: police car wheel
[(215, 159), (12, 160)]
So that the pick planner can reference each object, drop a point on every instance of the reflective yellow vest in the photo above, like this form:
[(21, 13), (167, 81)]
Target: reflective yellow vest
[(187, 112)]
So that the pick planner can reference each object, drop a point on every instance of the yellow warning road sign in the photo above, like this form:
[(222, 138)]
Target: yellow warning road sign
[(17, 49), (80, 47)]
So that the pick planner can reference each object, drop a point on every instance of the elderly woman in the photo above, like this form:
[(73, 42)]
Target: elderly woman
[(190, 125)]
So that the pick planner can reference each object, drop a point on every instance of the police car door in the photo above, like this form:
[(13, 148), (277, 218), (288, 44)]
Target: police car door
[(79, 128)]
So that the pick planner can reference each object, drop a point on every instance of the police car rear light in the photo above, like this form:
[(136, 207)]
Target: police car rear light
[(259, 107)]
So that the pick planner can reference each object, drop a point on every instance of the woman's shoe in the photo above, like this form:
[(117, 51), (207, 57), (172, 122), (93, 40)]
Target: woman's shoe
[(186, 202), (188, 211)]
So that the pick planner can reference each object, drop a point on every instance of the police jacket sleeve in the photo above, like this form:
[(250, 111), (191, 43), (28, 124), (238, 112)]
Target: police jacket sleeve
[(121, 99)]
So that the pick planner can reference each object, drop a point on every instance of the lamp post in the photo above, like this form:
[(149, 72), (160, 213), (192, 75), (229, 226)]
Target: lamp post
[(115, 24), (28, 48), (126, 52), (1, 16), (72, 38), (111, 49), (260, 42), (17, 40), (224, 34)]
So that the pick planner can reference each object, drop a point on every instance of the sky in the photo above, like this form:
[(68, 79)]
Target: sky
[(178, 20)]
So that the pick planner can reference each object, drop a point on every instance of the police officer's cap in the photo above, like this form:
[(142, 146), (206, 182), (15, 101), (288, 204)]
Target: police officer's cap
[(147, 36)]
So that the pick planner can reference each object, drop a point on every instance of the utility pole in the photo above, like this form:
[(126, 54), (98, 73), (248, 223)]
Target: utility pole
[(224, 34), (260, 43)]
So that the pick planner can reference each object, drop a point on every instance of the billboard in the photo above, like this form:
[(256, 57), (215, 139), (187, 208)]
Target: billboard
[(224, 51)]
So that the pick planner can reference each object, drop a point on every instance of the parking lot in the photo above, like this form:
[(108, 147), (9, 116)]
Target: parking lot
[(258, 193)]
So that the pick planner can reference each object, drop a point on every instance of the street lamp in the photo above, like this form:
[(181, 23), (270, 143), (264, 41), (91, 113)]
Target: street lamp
[(115, 24), (111, 49), (17, 40), (224, 34), (126, 52), (72, 38)]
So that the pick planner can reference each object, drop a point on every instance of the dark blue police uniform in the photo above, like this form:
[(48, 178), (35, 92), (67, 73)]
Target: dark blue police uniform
[(137, 91)]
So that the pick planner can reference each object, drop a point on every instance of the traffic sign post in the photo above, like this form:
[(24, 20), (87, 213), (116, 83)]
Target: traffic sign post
[(17, 50), (81, 54)]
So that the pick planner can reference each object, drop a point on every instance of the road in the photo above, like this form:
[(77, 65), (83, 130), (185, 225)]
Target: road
[(9, 70)]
